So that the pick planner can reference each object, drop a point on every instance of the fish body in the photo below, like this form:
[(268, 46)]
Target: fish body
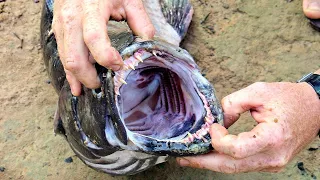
[(158, 105)]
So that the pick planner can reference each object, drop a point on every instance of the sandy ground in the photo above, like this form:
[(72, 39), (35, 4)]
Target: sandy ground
[(240, 42)]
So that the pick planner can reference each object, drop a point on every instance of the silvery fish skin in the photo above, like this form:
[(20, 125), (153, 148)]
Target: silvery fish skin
[(158, 105)]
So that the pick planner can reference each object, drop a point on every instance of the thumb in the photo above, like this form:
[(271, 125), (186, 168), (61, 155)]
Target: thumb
[(241, 101), (311, 8), (260, 138)]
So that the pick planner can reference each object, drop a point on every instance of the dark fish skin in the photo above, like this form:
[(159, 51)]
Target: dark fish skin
[(50, 54), (91, 123), (315, 24)]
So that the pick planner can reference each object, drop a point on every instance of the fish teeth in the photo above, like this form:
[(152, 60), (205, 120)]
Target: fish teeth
[(207, 120), (138, 57), (197, 136), (86, 142), (50, 32), (204, 139), (206, 128), (154, 53), (125, 67), (131, 66), (189, 134), (190, 137), (76, 126), (122, 81), (202, 132)]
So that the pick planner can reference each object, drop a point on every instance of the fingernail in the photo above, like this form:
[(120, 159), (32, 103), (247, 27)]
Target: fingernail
[(314, 6), (217, 131), (148, 36), (149, 33), (215, 127), (145, 37), (115, 67), (99, 80), (183, 161), (72, 91), (117, 61)]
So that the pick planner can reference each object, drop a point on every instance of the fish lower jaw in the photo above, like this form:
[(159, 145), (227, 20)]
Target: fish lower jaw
[(199, 134)]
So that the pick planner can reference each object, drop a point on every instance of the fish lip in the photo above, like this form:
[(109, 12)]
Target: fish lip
[(158, 45), (173, 148), (166, 147)]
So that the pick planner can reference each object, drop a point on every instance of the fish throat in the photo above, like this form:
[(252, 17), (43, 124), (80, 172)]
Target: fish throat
[(157, 97)]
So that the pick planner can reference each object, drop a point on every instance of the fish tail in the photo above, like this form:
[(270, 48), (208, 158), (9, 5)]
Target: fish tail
[(178, 14)]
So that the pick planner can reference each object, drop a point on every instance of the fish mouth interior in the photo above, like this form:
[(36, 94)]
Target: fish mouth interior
[(158, 97)]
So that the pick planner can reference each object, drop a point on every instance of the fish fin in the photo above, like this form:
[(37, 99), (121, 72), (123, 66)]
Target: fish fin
[(49, 4), (178, 14)]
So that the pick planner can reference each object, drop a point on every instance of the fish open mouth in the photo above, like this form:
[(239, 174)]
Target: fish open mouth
[(159, 99)]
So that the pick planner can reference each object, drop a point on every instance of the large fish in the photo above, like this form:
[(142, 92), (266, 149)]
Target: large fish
[(158, 105)]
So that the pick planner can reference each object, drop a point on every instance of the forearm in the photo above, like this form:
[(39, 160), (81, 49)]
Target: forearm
[(318, 72)]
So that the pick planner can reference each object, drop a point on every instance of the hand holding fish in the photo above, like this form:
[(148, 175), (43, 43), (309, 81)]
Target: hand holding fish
[(288, 119), (81, 33)]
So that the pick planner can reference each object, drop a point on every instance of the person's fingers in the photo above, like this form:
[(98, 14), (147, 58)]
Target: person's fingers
[(96, 38), (138, 19), (75, 85), (260, 138), (75, 52), (223, 163), (57, 26), (58, 33), (241, 101), (91, 59), (220, 163), (311, 8)]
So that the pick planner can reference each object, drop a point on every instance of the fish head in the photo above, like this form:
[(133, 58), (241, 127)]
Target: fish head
[(161, 101)]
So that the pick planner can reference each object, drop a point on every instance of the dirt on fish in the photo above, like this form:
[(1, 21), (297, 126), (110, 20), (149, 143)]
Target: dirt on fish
[(235, 42)]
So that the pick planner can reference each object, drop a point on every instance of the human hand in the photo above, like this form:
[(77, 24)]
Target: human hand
[(288, 116), (311, 8), (80, 27)]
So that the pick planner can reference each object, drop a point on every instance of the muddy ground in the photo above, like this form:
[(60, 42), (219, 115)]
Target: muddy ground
[(235, 42)]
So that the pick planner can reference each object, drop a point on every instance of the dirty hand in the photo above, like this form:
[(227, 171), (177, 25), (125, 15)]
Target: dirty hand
[(311, 8), (288, 117), (80, 27)]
